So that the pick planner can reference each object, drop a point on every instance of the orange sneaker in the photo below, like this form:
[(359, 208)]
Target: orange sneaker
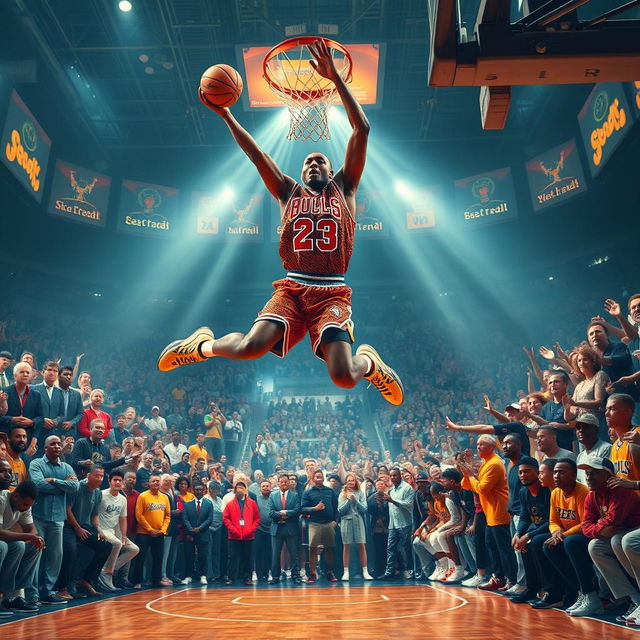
[(186, 351), (383, 377)]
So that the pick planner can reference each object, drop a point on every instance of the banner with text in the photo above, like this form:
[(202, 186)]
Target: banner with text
[(79, 194), (147, 209), (486, 198), (370, 215), (555, 176), (604, 122), (239, 217), (25, 147)]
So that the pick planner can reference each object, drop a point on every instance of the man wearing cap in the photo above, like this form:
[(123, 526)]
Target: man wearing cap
[(587, 428), (5, 362), (611, 521), (156, 424), (499, 430), (534, 501)]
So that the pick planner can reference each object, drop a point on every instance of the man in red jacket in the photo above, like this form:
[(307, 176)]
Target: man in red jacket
[(241, 517), (92, 412), (611, 519)]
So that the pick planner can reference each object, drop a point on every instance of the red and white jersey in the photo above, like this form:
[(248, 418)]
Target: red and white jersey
[(317, 231)]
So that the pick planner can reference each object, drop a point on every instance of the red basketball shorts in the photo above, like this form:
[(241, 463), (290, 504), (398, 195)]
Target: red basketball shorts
[(307, 308)]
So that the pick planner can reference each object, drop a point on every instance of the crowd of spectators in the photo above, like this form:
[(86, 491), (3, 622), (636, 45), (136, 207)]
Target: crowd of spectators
[(467, 492)]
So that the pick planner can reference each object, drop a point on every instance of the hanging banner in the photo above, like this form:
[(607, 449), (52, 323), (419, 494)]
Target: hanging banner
[(147, 209), (232, 217), (636, 96), (79, 194), (486, 198), (423, 210), (555, 176), (370, 212), (604, 122), (25, 147)]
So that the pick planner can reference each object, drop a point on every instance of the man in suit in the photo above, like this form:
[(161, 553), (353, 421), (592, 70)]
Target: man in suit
[(52, 405), (71, 402), (24, 403), (285, 528), (5, 361), (197, 517)]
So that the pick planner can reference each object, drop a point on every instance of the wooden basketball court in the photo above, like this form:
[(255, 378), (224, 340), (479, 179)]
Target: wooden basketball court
[(336, 611)]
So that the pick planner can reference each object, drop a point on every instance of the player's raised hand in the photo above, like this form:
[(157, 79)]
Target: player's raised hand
[(323, 62)]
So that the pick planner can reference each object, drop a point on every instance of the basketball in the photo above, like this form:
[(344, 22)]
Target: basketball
[(221, 85)]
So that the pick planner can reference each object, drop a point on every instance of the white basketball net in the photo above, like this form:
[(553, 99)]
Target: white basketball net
[(306, 94)]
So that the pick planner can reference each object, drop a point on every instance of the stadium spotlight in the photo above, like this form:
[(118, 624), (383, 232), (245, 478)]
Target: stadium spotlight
[(227, 194), (403, 189), (125, 5)]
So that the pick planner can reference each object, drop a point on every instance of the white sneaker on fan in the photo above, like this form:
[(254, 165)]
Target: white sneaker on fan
[(456, 576)]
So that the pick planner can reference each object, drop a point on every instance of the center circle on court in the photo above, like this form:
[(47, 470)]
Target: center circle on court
[(373, 604)]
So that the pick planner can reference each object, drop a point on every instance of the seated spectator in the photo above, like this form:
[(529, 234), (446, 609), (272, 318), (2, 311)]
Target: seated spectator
[(534, 501), (547, 441), (20, 544), (560, 554), (93, 411), (112, 526), (241, 518), (82, 527), (611, 521), (587, 430), (156, 424)]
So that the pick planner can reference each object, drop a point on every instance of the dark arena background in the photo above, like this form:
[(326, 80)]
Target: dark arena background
[(493, 492)]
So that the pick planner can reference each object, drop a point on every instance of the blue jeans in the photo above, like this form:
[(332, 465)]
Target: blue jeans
[(18, 562), (46, 574), (398, 543), (467, 551)]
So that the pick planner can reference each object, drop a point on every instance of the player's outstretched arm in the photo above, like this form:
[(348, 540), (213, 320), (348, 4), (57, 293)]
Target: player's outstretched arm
[(356, 154), (279, 184)]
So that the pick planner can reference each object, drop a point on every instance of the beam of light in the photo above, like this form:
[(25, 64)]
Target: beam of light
[(227, 194), (125, 6)]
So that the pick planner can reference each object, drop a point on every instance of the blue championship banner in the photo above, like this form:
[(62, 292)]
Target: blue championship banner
[(486, 198), (604, 122), (25, 147), (147, 209), (79, 194), (555, 176)]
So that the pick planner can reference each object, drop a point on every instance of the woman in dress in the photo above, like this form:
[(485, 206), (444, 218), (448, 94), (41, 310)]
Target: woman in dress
[(352, 505)]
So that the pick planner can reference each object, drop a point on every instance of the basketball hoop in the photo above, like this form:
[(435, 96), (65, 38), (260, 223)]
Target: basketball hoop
[(306, 94)]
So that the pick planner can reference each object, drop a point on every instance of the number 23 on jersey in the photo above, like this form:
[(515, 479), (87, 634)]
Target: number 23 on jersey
[(315, 234)]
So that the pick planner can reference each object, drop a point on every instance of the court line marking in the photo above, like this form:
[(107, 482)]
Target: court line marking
[(384, 597), (463, 602), (300, 604)]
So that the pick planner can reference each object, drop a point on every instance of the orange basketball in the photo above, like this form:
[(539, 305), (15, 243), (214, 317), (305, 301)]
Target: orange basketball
[(221, 85)]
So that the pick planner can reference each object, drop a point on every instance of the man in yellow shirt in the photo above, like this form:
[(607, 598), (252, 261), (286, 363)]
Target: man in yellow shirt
[(214, 422), (562, 556), (490, 483), (625, 451), (198, 450), (153, 515)]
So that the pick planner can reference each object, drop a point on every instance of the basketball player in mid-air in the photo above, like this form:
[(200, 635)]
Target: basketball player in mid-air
[(318, 224)]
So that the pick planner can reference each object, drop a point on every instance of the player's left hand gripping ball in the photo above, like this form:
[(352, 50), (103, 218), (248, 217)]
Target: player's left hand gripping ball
[(186, 351)]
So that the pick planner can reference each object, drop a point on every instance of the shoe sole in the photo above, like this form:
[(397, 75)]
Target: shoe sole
[(167, 359), (367, 349)]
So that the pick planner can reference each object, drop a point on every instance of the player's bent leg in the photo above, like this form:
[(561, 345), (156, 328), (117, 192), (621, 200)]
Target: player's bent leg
[(344, 369), (262, 337)]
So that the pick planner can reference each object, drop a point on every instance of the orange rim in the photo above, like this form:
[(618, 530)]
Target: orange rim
[(292, 43)]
